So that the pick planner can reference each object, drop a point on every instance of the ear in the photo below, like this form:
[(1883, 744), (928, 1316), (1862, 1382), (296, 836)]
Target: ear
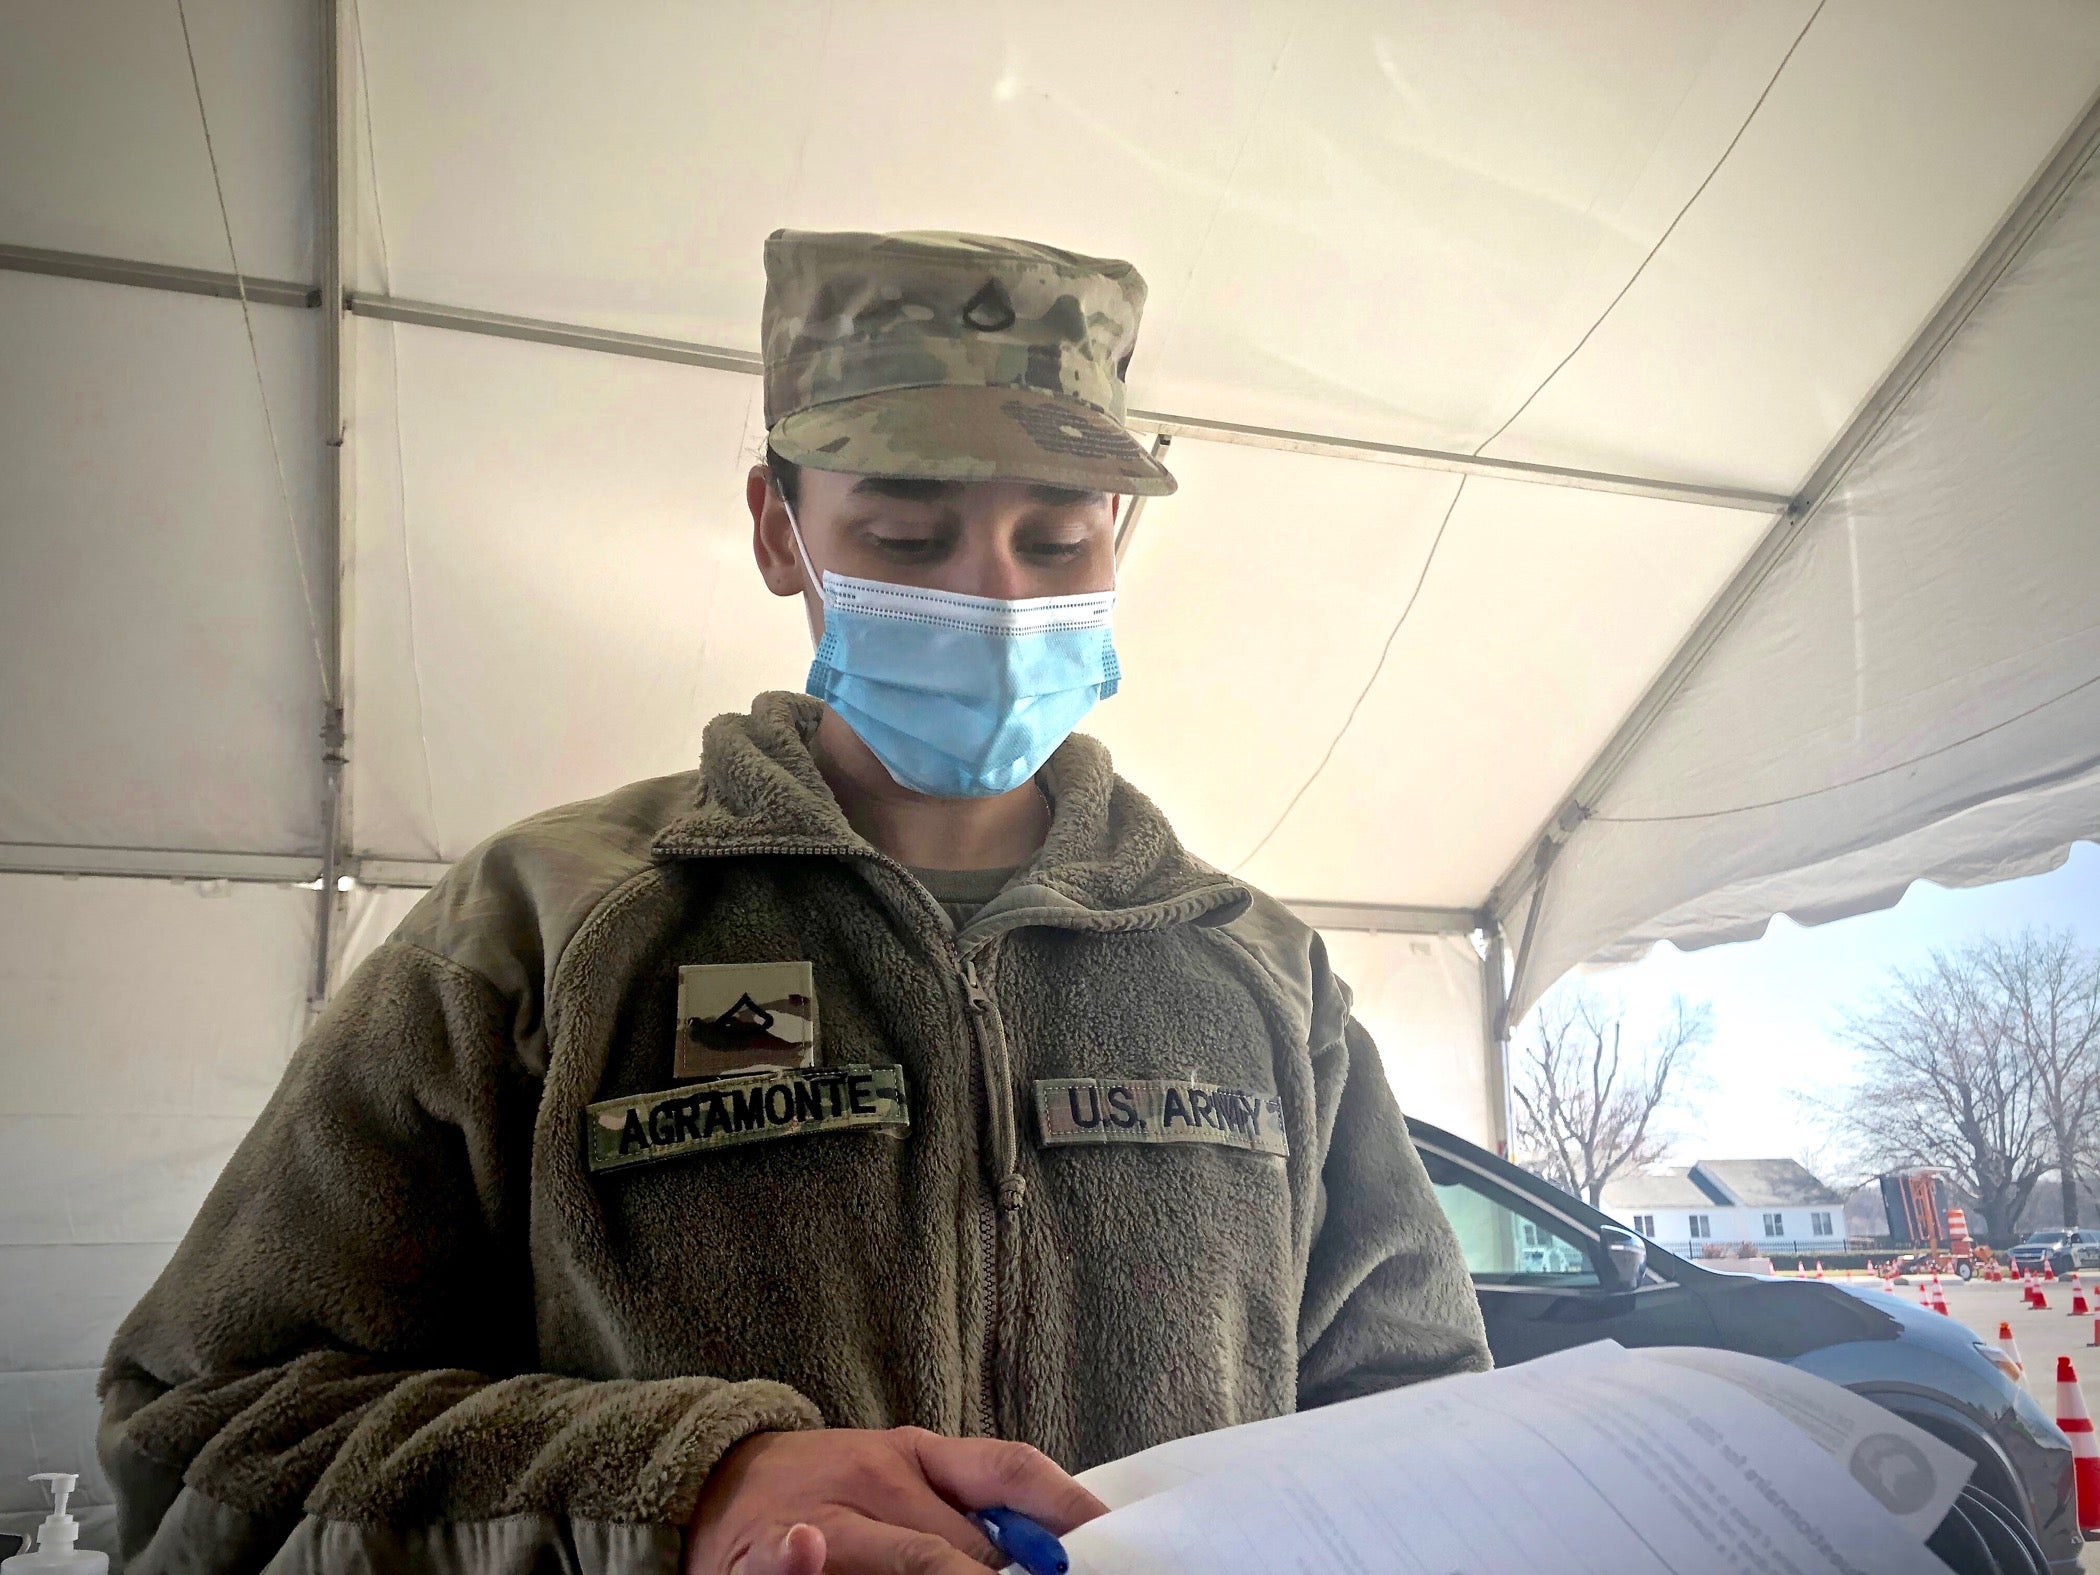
[(772, 540)]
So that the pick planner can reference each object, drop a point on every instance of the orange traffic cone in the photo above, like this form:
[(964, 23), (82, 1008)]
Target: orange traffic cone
[(2048, 1271), (1939, 1302), (1819, 1268), (1888, 1286), (2074, 1279), (2041, 1299), (2078, 1306), (2009, 1346), (2096, 1331), (2077, 1425)]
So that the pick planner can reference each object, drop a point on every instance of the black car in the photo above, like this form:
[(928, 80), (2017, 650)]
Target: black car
[(1552, 1272), (2061, 1250)]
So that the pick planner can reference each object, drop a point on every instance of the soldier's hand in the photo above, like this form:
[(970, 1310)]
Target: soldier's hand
[(857, 1502)]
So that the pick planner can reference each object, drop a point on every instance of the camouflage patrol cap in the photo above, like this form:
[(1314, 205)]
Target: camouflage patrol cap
[(952, 357)]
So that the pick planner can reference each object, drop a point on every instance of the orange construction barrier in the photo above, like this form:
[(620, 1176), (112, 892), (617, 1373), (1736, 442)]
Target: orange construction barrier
[(2077, 1425)]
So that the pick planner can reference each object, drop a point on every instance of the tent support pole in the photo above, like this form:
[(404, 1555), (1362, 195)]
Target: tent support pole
[(1126, 527), (649, 347), (1494, 1017), (577, 336), (2022, 222), (330, 223), (155, 276)]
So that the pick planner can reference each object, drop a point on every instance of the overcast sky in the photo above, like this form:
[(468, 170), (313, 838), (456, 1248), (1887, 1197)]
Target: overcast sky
[(1777, 1001)]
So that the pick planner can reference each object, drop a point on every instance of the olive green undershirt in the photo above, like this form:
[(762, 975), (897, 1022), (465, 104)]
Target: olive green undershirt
[(962, 892)]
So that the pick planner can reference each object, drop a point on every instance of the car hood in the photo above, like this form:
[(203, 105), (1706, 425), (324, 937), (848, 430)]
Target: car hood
[(1920, 1324), (1783, 1318)]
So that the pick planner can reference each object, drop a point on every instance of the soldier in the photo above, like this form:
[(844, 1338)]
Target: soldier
[(757, 1168)]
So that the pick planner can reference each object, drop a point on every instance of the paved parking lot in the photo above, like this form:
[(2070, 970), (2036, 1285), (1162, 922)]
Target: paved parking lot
[(2041, 1337)]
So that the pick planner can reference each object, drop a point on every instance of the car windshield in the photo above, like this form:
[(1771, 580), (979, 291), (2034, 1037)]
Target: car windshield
[(2042, 1238)]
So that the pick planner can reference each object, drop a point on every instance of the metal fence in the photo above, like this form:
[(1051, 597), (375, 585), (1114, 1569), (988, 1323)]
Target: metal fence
[(1709, 1249)]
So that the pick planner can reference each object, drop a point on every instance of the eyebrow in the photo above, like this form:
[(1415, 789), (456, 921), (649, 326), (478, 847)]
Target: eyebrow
[(921, 489)]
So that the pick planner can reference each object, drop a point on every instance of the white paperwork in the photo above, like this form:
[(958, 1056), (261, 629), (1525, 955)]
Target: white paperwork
[(1596, 1459), (1913, 1474)]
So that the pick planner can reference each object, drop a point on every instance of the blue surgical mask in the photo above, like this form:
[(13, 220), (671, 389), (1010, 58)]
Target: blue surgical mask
[(959, 696)]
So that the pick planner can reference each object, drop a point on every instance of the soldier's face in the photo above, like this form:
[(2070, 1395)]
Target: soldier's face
[(1007, 539)]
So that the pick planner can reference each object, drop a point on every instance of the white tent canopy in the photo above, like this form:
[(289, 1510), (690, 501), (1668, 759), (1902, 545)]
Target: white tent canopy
[(1636, 442)]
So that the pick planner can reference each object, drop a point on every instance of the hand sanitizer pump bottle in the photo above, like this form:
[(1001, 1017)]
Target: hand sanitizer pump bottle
[(54, 1539)]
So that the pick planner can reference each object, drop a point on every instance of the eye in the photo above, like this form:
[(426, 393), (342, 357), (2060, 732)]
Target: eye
[(905, 547), (1055, 551)]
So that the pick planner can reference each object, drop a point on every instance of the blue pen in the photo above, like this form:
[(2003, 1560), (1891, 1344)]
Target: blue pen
[(1023, 1541)]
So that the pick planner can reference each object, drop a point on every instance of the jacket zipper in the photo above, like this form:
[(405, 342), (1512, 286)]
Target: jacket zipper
[(978, 1008), (1008, 1192)]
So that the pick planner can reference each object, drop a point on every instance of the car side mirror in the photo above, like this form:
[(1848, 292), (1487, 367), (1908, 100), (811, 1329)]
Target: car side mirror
[(1627, 1256)]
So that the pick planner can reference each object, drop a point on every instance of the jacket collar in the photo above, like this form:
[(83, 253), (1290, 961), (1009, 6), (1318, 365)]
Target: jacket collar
[(1109, 851)]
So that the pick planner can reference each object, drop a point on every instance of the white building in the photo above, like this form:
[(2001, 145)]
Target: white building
[(1775, 1205)]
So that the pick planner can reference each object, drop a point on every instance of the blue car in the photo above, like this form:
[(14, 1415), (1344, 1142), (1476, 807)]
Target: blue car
[(1552, 1272)]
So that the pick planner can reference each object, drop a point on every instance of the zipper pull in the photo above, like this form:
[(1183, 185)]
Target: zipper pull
[(973, 989)]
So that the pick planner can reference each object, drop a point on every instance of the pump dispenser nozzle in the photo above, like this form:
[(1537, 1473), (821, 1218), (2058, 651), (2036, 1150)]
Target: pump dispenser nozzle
[(54, 1538), (59, 1529)]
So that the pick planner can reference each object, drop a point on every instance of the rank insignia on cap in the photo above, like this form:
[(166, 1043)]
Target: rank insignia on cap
[(1158, 1110), (738, 1017), (731, 1111)]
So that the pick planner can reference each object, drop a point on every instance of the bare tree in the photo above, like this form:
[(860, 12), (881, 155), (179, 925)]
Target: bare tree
[(1946, 1082), (1586, 1109), (2046, 990)]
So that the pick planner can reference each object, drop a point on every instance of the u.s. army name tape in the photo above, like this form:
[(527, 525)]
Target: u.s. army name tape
[(1158, 1110), (730, 1110)]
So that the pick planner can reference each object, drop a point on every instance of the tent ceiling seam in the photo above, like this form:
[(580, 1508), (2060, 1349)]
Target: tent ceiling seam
[(1661, 240), (1385, 651), (262, 389)]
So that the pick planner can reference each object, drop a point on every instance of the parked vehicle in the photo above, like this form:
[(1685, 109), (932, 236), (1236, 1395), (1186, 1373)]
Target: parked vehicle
[(2062, 1250), (1552, 1272)]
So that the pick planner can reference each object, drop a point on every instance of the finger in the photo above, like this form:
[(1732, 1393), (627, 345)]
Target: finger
[(800, 1550), (978, 1473), (921, 1509), (860, 1546)]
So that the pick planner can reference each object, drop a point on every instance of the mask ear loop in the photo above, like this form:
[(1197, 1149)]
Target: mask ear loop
[(809, 570)]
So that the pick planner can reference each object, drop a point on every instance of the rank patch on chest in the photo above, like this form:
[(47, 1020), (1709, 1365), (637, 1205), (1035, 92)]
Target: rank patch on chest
[(731, 1110), (1158, 1110), (737, 1017)]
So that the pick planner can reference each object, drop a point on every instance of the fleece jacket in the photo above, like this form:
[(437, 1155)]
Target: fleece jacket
[(417, 1326)]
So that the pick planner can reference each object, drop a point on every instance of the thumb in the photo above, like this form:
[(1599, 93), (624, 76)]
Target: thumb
[(799, 1551)]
